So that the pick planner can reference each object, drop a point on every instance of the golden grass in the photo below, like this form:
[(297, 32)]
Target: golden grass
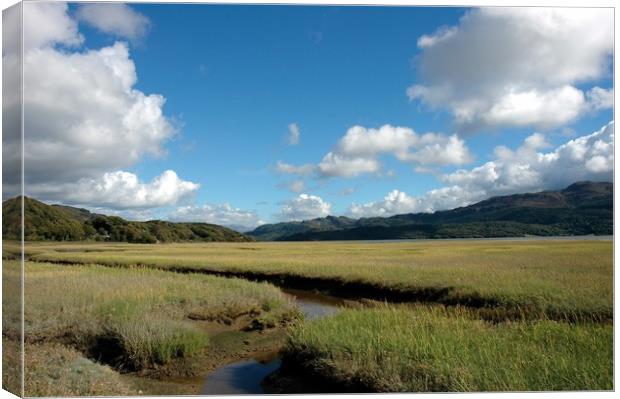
[(555, 277), (394, 348)]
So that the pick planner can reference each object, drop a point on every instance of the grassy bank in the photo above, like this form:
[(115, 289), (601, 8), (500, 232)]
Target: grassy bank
[(131, 319), (559, 279), (424, 349), (56, 370)]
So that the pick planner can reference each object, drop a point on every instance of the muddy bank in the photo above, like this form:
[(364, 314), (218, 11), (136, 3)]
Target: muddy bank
[(247, 376), (226, 348), (237, 359), (303, 376)]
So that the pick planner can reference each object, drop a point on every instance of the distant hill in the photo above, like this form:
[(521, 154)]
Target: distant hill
[(44, 222), (582, 208)]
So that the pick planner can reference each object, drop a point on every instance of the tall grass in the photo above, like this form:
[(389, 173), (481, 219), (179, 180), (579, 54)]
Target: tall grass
[(54, 370), (426, 349), (146, 340), (146, 313), (562, 278)]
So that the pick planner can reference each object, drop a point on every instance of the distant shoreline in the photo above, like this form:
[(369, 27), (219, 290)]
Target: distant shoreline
[(528, 238)]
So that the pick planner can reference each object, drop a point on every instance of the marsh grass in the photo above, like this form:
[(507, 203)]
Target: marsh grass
[(147, 341), (132, 318), (425, 349), (152, 316), (559, 279), (54, 370)]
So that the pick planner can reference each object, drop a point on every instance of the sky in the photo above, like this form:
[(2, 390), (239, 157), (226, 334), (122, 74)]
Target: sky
[(244, 115)]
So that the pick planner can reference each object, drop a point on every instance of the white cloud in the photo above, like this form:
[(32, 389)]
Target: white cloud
[(222, 214), (293, 134), (599, 98), (83, 118), (442, 34), (544, 109), (437, 149), (525, 169), (91, 120), (395, 202), (47, 24), (358, 150), (510, 66), (361, 141), (302, 170), (333, 165), (115, 19), (120, 190), (304, 207)]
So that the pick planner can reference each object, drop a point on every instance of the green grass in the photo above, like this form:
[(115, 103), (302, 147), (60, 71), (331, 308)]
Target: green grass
[(562, 279), (146, 313), (426, 349)]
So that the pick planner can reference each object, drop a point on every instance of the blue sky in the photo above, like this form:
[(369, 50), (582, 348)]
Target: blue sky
[(235, 78), (265, 69)]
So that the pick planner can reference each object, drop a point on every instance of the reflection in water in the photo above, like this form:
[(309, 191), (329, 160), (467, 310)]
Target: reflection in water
[(314, 305), (240, 378)]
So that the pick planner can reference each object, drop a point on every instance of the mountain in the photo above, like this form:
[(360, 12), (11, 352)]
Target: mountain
[(580, 209), (44, 222), (272, 232)]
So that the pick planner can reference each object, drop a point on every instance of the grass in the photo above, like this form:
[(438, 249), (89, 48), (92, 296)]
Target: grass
[(54, 370), (131, 319), (155, 316), (559, 279), (427, 349)]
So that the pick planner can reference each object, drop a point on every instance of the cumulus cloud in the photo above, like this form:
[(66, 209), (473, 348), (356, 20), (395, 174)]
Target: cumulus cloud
[(293, 134), (588, 157), (90, 120), (358, 150), (115, 19), (222, 214), (333, 165), (510, 66), (394, 203), (304, 207), (525, 169), (120, 190), (361, 141), (80, 126), (47, 24), (302, 170)]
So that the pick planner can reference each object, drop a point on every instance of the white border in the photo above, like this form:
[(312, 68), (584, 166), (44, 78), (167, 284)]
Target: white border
[(456, 3)]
